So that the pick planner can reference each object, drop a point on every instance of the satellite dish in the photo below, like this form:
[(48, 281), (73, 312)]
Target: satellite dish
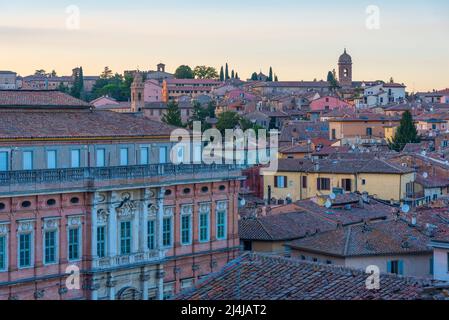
[(405, 208), (425, 175), (424, 153), (332, 196), (353, 147), (242, 202), (328, 204)]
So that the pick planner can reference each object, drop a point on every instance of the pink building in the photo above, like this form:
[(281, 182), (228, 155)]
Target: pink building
[(328, 103), (152, 91)]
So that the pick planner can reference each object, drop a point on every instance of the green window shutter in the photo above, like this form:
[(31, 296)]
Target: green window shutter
[(401, 267), (389, 266)]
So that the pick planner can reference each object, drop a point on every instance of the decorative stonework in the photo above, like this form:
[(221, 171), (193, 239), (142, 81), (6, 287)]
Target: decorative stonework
[(25, 226), (39, 294), (102, 216), (153, 209), (100, 198), (168, 211), (75, 221), (3, 229), (205, 208), (222, 205), (126, 210), (145, 276), (50, 224), (187, 209)]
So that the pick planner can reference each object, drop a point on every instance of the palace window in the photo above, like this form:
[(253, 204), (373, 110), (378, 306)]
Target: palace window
[(27, 160), (74, 244), (166, 232), (3, 253), (151, 235), (25, 250), (204, 226), (221, 223), (3, 161), (101, 157), (125, 237), (75, 158), (51, 159), (144, 155), (101, 241), (50, 247), (123, 156), (186, 229), (162, 155)]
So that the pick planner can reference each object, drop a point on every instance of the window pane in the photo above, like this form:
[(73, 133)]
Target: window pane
[(163, 155), (221, 225), (204, 227), (75, 158), (74, 244), (101, 242), (25, 250), (101, 154), (3, 161), (151, 235), (166, 232), (50, 247), (185, 229), (51, 159), (28, 160), (124, 156), (144, 155), (2, 253), (125, 237)]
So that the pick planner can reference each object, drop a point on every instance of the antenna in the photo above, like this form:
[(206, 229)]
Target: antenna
[(405, 208)]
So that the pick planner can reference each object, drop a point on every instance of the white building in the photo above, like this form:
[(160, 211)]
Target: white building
[(383, 94), (8, 80), (440, 260)]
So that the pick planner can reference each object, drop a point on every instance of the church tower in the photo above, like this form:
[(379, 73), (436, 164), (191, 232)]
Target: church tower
[(345, 70), (137, 93)]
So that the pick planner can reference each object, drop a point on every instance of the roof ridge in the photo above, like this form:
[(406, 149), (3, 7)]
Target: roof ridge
[(264, 229), (346, 248)]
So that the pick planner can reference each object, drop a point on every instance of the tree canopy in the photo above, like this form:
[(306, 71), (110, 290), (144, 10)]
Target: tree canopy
[(204, 72), (406, 133), (173, 115), (184, 72)]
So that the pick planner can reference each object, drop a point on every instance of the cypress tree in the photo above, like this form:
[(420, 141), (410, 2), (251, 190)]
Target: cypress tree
[(173, 115), (406, 133), (221, 74), (270, 75), (232, 74), (227, 72)]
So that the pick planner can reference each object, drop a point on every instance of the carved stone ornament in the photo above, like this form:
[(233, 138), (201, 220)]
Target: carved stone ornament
[(3, 229), (126, 210), (222, 205), (102, 216), (50, 224), (25, 226), (205, 208), (153, 209), (74, 221), (101, 197), (168, 211), (188, 209)]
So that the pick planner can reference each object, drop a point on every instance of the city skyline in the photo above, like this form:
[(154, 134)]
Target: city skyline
[(301, 41)]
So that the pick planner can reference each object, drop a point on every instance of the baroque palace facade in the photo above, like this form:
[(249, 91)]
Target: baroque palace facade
[(92, 195)]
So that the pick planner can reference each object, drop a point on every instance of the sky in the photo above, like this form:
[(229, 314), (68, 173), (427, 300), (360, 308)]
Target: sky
[(301, 40)]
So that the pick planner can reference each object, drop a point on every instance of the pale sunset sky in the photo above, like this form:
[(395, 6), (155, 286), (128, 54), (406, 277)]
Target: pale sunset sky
[(302, 40)]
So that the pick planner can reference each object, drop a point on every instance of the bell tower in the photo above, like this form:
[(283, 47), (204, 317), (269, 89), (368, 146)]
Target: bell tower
[(137, 93), (345, 70)]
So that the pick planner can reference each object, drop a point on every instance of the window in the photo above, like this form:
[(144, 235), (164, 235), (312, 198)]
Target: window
[(25, 250), (395, 267), (163, 155), (3, 161), (123, 156), (431, 265), (247, 245), (50, 247), (323, 184), (144, 156), (125, 237), (369, 131), (204, 226), (74, 245), (346, 184), (27, 160), (166, 232), (2, 253), (151, 235), (334, 134), (101, 241), (101, 157), (51, 159), (304, 182), (75, 158), (280, 182), (186, 284), (363, 182), (186, 229), (448, 262), (221, 224)]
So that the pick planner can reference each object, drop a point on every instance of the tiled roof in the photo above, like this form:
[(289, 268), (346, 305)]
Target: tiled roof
[(303, 130), (79, 124), (379, 238), (341, 166), (39, 99), (296, 84), (261, 277), (366, 117), (284, 226)]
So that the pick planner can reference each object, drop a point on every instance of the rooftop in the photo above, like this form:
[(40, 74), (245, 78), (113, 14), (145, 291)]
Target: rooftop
[(262, 277), (39, 99)]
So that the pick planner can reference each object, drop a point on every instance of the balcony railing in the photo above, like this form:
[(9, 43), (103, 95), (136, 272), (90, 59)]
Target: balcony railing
[(135, 258), (91, 178)]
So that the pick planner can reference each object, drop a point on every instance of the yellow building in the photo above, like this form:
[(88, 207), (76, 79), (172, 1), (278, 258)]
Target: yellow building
[(303, 179)]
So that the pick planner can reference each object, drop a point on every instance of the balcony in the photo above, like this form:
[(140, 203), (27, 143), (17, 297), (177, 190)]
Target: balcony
[(132, 259), (92, 179)]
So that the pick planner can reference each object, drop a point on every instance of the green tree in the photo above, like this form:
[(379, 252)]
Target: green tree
[(77, 89), (276, 79), (173, 115), (40, 72), (406, 133), (237, 75), (107, 73), (184, 72), (254, 76), (270, 75), (333, 83), (227, 72), (222, 74), (204, 72), (232, 74), (227, 120)]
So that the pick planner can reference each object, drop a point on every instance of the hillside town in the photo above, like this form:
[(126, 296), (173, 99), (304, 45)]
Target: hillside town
[(357, 208)]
